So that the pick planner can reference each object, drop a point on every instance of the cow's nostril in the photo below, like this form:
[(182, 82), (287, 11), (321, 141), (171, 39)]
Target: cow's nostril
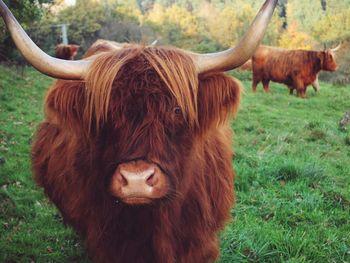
[(151, 180), (122, 180)]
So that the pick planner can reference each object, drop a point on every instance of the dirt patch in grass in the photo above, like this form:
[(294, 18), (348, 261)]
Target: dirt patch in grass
[(337, 199), (317, 135)]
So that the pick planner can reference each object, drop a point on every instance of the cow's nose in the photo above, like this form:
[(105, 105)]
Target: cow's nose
[(138, 182), (146, 178)]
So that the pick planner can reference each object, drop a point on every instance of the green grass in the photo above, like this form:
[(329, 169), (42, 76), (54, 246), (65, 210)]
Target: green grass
[(31, 229), (292, 183)]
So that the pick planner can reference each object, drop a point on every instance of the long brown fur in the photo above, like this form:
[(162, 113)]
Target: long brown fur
[(126, 110), (295, 68)]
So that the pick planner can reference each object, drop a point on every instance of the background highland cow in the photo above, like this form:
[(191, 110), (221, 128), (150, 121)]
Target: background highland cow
[(295, 68)]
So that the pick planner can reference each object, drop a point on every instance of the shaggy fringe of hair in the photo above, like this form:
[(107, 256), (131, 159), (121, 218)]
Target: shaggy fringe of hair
[(175, 69)]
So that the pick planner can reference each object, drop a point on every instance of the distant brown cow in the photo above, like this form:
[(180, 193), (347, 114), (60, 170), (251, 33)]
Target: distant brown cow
[(67, 52), (295, 68)]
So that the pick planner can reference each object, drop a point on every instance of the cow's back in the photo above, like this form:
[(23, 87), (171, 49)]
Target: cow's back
[(272, 64)]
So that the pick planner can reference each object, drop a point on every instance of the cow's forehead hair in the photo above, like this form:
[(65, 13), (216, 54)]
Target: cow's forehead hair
[(173, 66)]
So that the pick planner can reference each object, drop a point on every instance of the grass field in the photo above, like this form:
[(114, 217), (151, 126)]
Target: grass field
[(293, 178)]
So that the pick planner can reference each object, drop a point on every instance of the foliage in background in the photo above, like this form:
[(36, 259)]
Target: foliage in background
[(88, 21), (199, 25), (292, 38), (325, 30)]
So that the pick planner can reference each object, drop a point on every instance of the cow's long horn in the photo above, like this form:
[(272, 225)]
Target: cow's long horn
[(54, 67), (235, 57), (337, 48)]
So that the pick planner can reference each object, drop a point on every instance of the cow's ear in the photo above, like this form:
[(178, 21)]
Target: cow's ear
[(65, 104), (218, 99)]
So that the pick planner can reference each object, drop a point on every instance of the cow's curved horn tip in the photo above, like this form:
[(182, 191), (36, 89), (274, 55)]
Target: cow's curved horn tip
[(338, 47)]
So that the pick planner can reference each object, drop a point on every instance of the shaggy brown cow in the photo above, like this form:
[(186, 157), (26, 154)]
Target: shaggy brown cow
[(137, 153), (67, 52), (295, 68)]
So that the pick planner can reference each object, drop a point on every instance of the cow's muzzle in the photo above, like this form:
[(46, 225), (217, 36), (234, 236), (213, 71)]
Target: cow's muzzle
[(138, 182)]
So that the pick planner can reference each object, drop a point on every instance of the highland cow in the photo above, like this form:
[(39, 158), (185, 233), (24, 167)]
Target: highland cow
[(295, 68), (135, 149)]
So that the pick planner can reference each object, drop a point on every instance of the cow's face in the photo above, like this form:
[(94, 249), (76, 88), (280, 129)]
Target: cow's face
[(145, 136), (329, 60), (149, 129), (152, 131)]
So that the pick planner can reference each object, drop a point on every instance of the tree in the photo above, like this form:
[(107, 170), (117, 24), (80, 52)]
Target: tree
[(292, 38), (174, 24), (108, 19), (307, 13), (26, 12), (333, 28)]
